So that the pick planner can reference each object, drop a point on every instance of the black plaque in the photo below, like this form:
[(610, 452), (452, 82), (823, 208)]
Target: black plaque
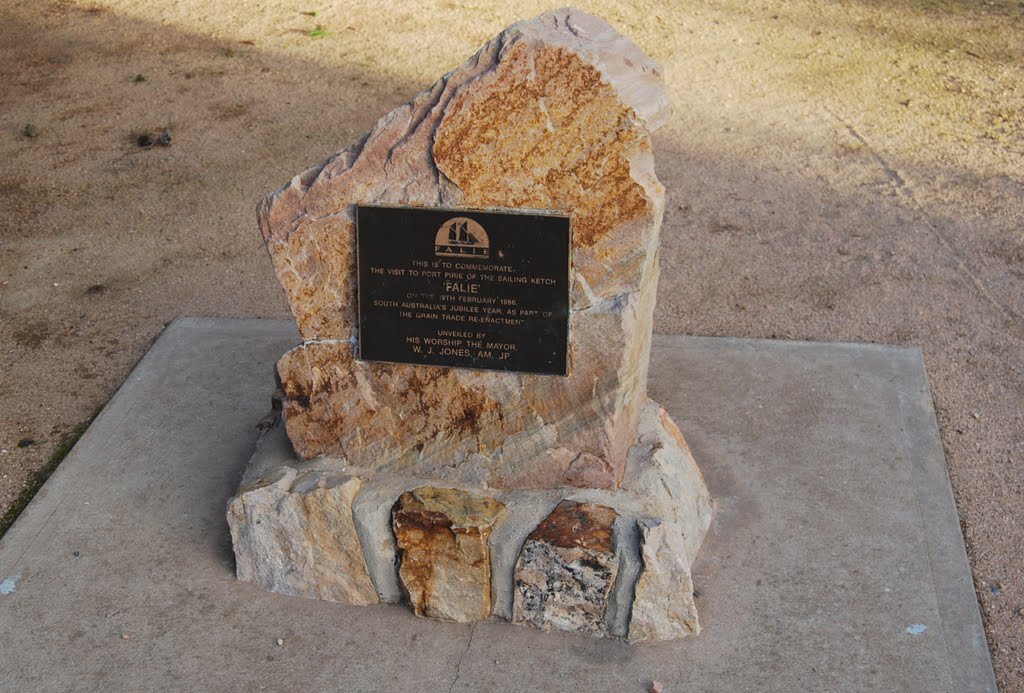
[(463, 288)]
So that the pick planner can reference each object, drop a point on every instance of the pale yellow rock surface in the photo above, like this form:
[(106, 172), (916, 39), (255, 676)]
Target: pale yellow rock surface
[(663, 605), (467, 553), (444, 557), (295, 534), (555, 113), (664, 477)]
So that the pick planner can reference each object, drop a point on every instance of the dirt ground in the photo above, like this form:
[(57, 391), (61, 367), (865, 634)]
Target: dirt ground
[(836, 171)]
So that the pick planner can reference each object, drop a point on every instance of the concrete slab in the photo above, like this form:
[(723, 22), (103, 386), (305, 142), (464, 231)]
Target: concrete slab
[(835, 561)]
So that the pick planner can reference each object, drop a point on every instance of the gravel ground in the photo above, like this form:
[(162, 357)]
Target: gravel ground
[(837, 171)]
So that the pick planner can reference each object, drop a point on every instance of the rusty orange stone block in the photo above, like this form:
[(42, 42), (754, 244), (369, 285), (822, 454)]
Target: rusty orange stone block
[(444, 558)]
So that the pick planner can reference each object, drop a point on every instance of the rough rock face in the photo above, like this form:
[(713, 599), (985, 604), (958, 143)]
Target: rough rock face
[(663, 606), (294, 533), (395, 475), (445, 561), (662, 473), (610, 563), (554, 113), (566, 569)]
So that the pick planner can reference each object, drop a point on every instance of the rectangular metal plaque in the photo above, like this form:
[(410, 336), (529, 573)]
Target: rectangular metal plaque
[(463, 288)]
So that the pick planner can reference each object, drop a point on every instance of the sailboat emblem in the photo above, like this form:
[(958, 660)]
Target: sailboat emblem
[(462, 237)]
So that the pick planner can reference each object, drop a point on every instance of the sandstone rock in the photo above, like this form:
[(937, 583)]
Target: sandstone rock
[(554, 113), (663, 475), (445, 561), (663, 605), (663, 493), (294, 533), (566, 570)]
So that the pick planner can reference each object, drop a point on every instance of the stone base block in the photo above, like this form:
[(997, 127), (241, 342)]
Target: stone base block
[(566, 570), (444, 557), (607, 563)]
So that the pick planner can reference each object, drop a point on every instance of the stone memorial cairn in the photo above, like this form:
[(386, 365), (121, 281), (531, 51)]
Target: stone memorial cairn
[(562, 501)]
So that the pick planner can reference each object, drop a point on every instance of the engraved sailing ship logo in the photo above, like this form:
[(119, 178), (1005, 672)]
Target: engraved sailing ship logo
[(462, 237)]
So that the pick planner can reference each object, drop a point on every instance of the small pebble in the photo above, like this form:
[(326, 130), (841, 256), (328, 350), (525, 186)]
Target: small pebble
[(164, 138), (656, 687), (124, 636), (280, 642)]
